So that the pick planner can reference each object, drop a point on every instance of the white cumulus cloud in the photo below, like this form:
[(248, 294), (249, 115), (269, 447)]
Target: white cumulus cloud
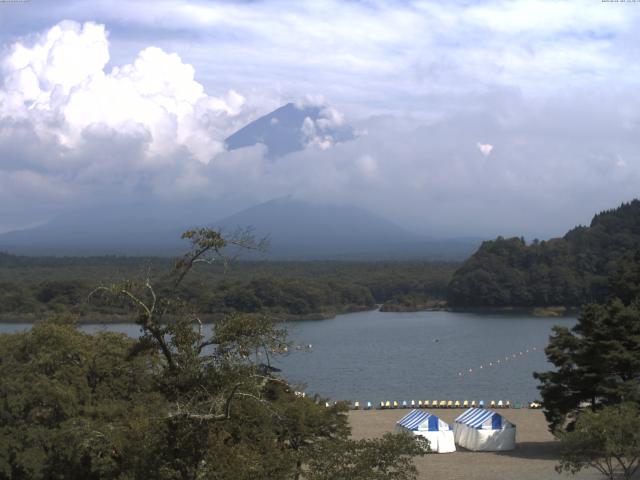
[(318, 133), (59, 84)]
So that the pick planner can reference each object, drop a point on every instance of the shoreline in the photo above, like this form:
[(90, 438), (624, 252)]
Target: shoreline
[(114, 319), (559, 311)]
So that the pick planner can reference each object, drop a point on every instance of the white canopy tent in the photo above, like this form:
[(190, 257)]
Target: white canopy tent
[(429, 426), (478, 429)]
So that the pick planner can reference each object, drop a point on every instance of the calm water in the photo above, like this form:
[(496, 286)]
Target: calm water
[(373, 356)]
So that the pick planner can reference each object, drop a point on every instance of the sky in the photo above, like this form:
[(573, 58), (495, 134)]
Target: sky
[(472, 118)]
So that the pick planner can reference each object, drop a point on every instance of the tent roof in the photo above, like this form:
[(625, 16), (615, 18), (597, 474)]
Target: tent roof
[(479, 418), (416, 419)]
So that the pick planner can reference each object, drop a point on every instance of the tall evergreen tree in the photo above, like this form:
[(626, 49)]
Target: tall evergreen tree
[(598, 360)]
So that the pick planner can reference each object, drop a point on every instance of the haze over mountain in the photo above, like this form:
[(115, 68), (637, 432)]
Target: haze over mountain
[(302, 230), (87, 232), (291, 128), (297, 230)]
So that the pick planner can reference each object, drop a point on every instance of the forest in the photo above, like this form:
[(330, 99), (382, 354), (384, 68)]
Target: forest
[(568, 271), (34, 287)]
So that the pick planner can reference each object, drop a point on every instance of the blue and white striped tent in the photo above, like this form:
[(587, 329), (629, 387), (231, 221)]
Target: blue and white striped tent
[(480, 429), (481, 418), (423, 421), (429, 426)]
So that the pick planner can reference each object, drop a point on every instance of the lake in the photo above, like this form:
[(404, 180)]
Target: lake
[(373, 356)]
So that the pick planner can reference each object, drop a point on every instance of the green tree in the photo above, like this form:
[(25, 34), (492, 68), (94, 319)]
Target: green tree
[(386, 458), (607, 440), (625, 283), (73, 405), (597, 361), (306, 423)]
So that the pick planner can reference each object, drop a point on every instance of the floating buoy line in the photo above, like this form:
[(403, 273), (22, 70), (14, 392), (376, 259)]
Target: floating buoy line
[(448, 404), (500, 361), (285, 350)]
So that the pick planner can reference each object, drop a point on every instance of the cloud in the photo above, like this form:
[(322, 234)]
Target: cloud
[(485, 148), (313, 136), (327, 129), (368, 166), (545, 17), (128, 122), (28, 197), (58, 83), (375, 56), (547, 176), (330, 118)]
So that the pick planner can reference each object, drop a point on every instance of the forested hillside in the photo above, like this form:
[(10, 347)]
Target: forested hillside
[(569, 271)]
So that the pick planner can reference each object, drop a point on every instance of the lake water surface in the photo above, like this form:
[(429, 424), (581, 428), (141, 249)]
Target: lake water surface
[(373, 356)]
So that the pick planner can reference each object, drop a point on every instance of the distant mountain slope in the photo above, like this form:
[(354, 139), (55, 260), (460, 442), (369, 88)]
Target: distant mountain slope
[(320, 228), (283, 130), (96, 233), (302, 230), (562, 271), (298, 230)]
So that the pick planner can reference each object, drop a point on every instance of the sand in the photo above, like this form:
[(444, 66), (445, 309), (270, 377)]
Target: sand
[(534, 458)]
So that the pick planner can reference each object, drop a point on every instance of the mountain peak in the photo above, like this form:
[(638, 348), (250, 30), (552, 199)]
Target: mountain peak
[(293, 127)]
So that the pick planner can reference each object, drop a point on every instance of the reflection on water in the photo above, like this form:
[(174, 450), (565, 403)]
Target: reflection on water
[(373, 356)]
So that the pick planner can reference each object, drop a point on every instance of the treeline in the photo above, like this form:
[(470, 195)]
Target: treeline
[(569, 271), (32, 287), (283, 297)]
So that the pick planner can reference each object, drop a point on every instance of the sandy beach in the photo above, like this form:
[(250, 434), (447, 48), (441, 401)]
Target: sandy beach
[(534, 458)]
